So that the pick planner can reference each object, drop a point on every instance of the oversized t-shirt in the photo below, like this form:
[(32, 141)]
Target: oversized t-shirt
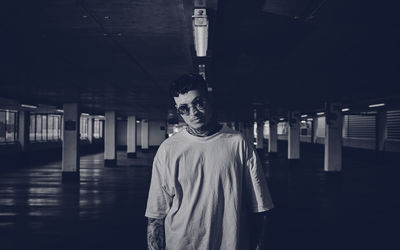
[(203, 187)]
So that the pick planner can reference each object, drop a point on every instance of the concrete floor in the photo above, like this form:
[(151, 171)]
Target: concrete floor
[(355, 209)]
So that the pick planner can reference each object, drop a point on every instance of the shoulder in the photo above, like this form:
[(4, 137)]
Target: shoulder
[(170, 143), (234, 136), (230, 133)]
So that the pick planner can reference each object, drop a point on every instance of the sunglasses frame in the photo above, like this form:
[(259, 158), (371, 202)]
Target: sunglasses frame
[(200, 105)]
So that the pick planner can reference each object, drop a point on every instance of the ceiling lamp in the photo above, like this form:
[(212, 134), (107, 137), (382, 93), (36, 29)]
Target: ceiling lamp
[(200, 31), (28, 106), (376, 105)]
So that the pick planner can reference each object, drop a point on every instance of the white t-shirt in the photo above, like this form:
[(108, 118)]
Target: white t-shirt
[(202, 186)]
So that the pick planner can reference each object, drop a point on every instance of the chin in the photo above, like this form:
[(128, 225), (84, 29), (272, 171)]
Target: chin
[(196, 125)]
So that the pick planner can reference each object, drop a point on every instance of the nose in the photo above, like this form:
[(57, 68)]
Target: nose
[(194, 110)]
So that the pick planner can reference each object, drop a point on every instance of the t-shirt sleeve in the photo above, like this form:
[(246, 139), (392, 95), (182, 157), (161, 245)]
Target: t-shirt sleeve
[(256, 183), (159, 200)]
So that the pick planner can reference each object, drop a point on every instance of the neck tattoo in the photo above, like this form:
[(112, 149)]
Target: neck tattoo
[(205, 130)]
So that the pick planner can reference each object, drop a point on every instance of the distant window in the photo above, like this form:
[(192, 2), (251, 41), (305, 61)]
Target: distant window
[(32, 128), (45, 127), (98, 128), (8, 126), (393, 124), (320, 123), (359, 126), (305, 128), (282, 128), (84, 127)]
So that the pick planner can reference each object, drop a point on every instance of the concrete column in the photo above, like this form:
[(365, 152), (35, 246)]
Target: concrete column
[(70, 150), (381, 129), (90, 129), (236, 126), (23, 129), (241, 128), (110, 151), (314, 129), (62, 127), (248, 132), (131, 140), (260, 135), (145, 134), (294, 136), (273, 136), (333, 137)]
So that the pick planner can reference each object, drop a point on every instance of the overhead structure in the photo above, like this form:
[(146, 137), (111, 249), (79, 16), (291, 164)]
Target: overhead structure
[(200, 31)]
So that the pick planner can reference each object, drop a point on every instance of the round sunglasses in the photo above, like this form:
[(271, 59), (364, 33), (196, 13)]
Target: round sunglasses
[(198, 104)]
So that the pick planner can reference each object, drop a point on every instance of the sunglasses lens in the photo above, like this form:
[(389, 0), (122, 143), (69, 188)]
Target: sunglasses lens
[(183, 110), (199, 104)]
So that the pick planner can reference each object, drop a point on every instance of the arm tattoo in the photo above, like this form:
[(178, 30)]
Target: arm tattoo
[(155, 234)]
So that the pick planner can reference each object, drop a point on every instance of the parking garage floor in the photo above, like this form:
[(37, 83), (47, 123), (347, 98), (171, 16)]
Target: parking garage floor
[(355, 209)]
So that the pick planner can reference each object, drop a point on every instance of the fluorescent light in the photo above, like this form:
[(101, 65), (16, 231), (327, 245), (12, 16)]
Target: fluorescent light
[(320, 113), (345, 109), (309, 119), (281, 119), (376, 105), (304, 116), (137, 121), (60, 110), (85, 114), (28, 106), (100, 116)]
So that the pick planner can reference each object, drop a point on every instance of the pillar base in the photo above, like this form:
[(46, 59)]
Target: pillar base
[(70, 177), (272, 155), (294, 162), (110, 163), (131, 155), (145, 150)]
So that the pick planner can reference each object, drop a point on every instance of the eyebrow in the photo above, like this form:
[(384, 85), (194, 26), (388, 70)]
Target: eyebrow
[(194, 100)]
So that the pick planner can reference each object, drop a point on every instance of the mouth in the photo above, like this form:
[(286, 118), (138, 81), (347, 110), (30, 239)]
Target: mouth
[(197, 119)]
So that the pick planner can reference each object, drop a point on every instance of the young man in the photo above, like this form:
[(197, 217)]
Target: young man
[(204, 180)]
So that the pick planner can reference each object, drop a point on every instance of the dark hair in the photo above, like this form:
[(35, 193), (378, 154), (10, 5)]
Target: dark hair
[(187, 82)]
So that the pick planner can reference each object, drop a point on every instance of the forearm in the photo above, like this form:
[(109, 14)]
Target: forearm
[(155, 234), (259, 221)]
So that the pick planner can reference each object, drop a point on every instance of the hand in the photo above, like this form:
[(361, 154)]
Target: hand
[(260, 246)]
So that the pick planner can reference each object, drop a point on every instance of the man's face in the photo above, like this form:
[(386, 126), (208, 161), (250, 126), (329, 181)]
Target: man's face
[(194, 108)]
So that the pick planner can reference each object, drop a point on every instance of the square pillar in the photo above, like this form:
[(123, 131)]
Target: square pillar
[(260, 135), (23, 129), (333, 137), (70, 149), (90, 129), (313, 130), (381, 129), (145, 134), (294, 136), (131, 134), (273, 135), (110, 151), (248, 133)]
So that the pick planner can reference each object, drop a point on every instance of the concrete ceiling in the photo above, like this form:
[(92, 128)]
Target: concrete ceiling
[(122, 54)]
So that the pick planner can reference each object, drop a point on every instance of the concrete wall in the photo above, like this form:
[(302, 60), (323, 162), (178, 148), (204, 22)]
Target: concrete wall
[(392, 145), (156, 134), (362, 143), (305, 138), (359, 143), (121, 133)]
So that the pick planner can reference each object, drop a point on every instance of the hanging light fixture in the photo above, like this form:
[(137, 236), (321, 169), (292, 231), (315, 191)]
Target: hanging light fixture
[(200, 31)]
